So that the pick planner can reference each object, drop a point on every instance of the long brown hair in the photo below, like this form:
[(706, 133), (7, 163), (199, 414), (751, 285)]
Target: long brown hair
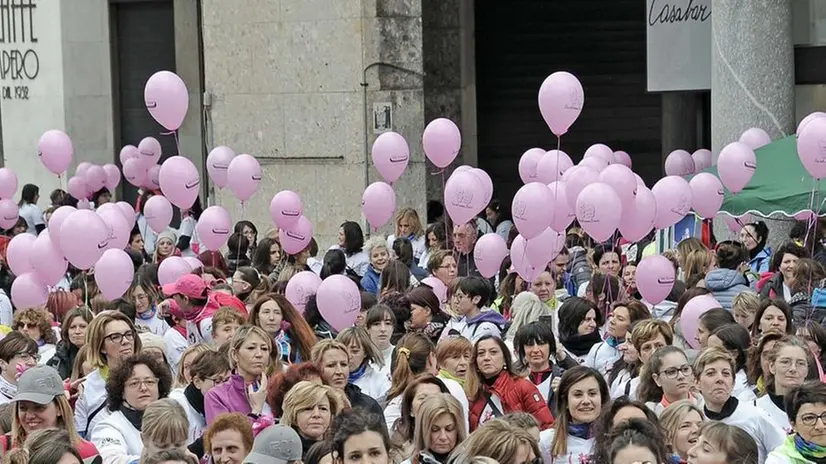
[(572, 376), (473, 378), (300, 332), (409, 359)]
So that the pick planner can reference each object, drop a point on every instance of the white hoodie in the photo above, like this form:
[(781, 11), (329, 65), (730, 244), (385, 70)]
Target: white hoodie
[(197, 421), (117, 440), (757, 423), (91, 401), (373, 383)]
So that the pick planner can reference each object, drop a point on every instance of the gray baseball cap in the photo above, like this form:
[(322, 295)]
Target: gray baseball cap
[(276, 444), (39, 384)]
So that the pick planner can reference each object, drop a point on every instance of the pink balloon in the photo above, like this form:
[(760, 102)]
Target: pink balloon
[(18, 254), (679, 163), (47, 261), (82, 168), (112, 176), (528, 165), (601, 151), (84, 204), (153, 177), (599, 210), (27, 291), (301, 287), (809, 118), (172, 268), (438, 288), (441, 142), (214, 228), (166, 99), (87, 237), (134, 172), (674, 200), (560, 101), (552, 165), (640, 182), (544, 247), (243, 176), (119, 228), (690, 319), (638, 220), (461, 168), (114, 273), (128, 212), (390, 155), (735, 224), (56, 222), (530, 211), (622, 180), (218, 164), (463, 192), (707, 194), (378, 204), (519, 260), (755, 138), (623, 158), (180, 181), (562, 215), (55, 151), (9, 213), (487, 189), (193, 262), (149, 151), (805, 215), (702, 159), (8, 183), (576, 179), (809, 144), (339, 301), (488, 254), (95, 178), (286, 208), (596, 163), (128, 152), (736, 165), (296, 239), (77, 188), (158, 213), (655, 278)]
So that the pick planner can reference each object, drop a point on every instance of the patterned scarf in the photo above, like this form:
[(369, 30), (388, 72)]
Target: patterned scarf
[(358, 373), (809, 450), (148, 315), (582, 431), (613, 342)]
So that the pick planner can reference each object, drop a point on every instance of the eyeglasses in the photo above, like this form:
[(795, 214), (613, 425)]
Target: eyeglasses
[(137, 383), (448, 266), (786, 364), (671, 372), (811, 419), (25, 356), (117, 338), (26, 325), (143, 297), (218, 380)]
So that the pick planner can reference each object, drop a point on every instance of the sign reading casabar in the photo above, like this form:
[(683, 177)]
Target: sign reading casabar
[(678, 44)]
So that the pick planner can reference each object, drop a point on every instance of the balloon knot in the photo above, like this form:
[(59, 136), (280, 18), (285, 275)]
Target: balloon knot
[(167, 133), (440, 171)]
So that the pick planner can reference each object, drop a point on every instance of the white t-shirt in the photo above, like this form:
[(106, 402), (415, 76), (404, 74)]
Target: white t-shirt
[(33, 216), (187, 229), (176, 344)]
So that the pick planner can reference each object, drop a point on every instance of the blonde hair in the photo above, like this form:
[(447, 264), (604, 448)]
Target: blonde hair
[(360, 336), (96, 332), (745, 303), (431, 409), (164, 423), (648, 329), (242, 335), (43, 446), (412, 220), (323, 347), (375, 242), (526, 308), (305, 395), (65, 421), (495, 439), (711, 355), (180, 378), (695, 265), (672, 415), (77, 367)]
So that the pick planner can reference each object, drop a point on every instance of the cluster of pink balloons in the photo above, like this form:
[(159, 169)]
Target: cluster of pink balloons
[(294, 228), (9, 213)]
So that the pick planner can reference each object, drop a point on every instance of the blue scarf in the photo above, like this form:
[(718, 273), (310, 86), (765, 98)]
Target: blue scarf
[(580, 431), (613, 342), (809, 450), (147, 315), (358, 373)]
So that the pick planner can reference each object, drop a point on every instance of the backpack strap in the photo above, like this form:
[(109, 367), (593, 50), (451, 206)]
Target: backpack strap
[(89, 419)]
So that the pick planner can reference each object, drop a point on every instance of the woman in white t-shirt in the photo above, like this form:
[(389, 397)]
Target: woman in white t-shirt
[(29, 211), (187, 235)]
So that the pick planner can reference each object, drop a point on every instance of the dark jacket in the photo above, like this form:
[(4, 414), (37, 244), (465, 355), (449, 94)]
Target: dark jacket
[(360, 400), (517, 394), (578, 268), (233, 263), (64, 359)]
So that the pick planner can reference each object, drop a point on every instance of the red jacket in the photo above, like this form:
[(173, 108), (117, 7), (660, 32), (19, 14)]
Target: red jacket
[(517, 394)]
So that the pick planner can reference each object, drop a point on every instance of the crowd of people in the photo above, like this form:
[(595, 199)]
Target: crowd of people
[(573, 367)]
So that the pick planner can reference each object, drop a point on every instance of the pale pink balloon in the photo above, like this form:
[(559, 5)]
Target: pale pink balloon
[(735, 224), (8, 183), (95, 178), (543, 248), (707, 194), (339, 301), (679, 163), (690, 319), (809, 148), (488, 253), (674, 200), (167, 99), (640, 182), (82, 168), (179, 181), (530, 211), (461, 168), (77, 188), (552, 165), (561, 98), (218, 164), (214, 228), (805, 215), (18, 254), (576, 179), (149, 151), (487, 189), (655, 278), (463, 192), (391, 155), (562, 215), (112, 176), (193, 262), (599, 210), (118, 226), (528, 165), (441, 141), (87, 238), (134, 172), (596, 163), (736, 165), (378, 203), (9, 213), (158, 213), (519, 260), (171, 269), (438, 288), (55, 151), (47, 260), (702, 159), (128, 212), (244, 176), (300, 288), (55, 223), (622, 180), (638, 221), (153, 177), (296, 239), (755, 138), (809, 118), (27, 291), (601, 151), (286, 208), (84, 204), (128, 152), (623, 158), (114, 273)]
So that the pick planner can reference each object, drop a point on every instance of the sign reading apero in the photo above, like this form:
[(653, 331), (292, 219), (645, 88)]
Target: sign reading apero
[(19, 62)]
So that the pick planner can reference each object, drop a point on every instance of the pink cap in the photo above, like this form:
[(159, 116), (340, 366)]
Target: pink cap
[(188, 285)]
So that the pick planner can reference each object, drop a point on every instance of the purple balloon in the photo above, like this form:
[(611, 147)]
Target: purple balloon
[(166, 99), (552, 165), (519, 260), (562, 215), (599, 210), (679, 163), (576, 179), (214, 228), (87, 236), (736, 165), (755, 138), (286, 208), (112, 176), (47, 260), (27, 291), (158, 213), (128, 152), (543, 248), (296, 239), (95, 178), (560, 101), (438, 288), (441, 142), (489, 252), (596, 163), (78, 188), (638, 220), (390, 154), (9, 213), (149, 152), (655, 278), (55, 151), (18, 254), (528, 164), (702, 159), (8, 183), (180, 181), (378, 204), (134, 172), (128, 212), (114, 273), (706, 194), (243, 176), (82, 168), (118, 225), (674, 200), (56, 222), (218, 164), (301, 287), (84, 204), (623, 158), (530, 211), (463, 192), (339, 301)]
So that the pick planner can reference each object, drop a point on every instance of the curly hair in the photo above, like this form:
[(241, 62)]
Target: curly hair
[(117, 379), (230, 421), (281, 383), (38, 316)]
